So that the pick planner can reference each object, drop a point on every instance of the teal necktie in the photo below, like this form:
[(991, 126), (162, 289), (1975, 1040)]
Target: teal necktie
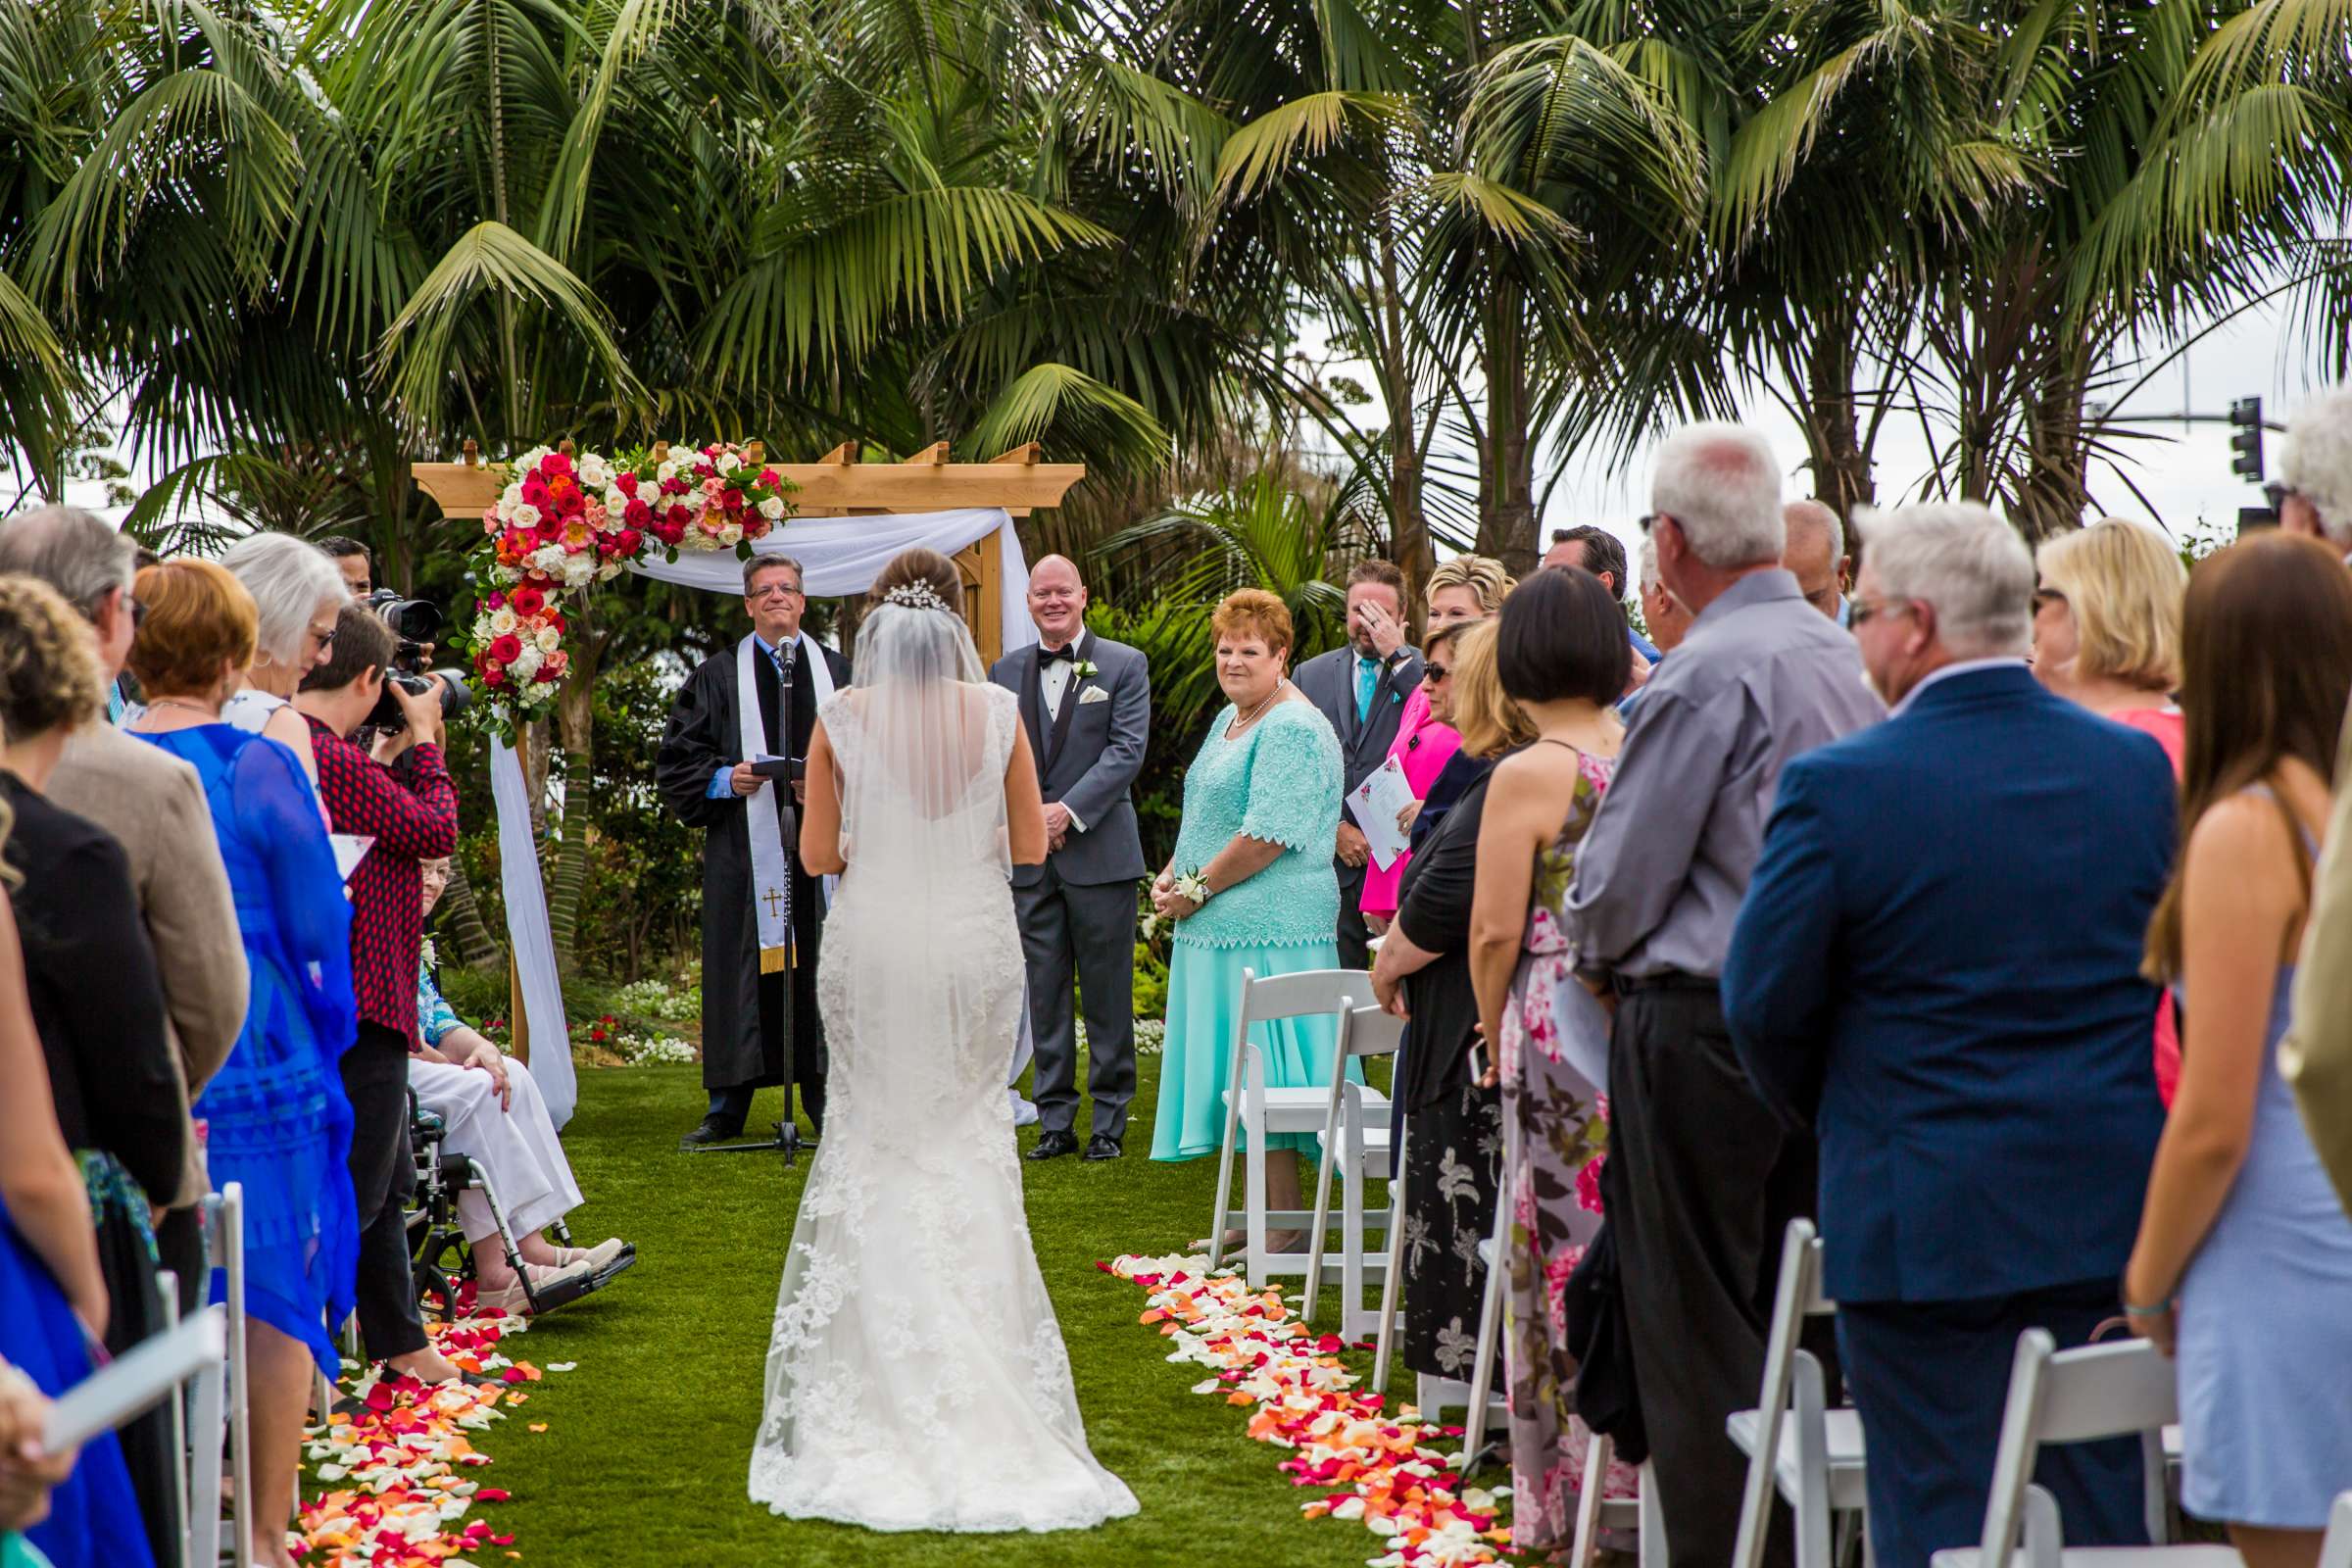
[(1367, 682)]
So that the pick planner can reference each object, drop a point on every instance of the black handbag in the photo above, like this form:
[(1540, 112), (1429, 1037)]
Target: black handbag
[(1608, 1398)]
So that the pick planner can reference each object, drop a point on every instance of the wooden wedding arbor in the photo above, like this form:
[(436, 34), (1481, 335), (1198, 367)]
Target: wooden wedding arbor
[(840, 485), (836, 485)]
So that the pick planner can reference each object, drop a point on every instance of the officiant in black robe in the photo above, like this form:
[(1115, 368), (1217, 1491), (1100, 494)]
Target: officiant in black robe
[(758, 1028)]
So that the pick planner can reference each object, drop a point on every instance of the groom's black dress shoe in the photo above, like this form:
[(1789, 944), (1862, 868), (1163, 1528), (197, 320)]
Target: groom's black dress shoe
[(1101, 1147), (1052, 1145), (713, 1130)]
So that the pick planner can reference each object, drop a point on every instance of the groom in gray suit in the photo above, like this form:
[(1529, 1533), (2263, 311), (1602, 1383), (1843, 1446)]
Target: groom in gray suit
[(1087, 705)]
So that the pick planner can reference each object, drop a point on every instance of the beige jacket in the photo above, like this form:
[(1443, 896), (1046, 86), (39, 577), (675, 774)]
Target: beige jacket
[(153, 804), (2316, 1053)]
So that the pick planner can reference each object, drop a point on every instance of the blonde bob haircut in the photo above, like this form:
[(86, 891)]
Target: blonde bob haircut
[(1488, 722), (2123, 585), (1484, 575)]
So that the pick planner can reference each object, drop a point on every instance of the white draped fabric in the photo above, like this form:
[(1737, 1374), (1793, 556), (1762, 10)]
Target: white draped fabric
[(842, 555), (839, 557), (529, 936)]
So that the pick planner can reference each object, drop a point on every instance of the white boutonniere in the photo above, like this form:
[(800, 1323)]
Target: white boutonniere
[(1086, 670), (432, 959)]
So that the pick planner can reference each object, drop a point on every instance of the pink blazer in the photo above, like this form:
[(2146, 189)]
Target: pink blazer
[(1422, 745)]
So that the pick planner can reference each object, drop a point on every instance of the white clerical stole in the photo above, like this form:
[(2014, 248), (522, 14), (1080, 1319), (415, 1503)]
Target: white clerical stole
[(771, 867)]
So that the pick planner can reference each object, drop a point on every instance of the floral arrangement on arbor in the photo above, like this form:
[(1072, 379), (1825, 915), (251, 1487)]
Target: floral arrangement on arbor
[(563, 524)]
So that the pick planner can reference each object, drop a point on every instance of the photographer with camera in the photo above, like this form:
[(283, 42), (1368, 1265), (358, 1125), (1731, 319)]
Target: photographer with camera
[(412, 814)]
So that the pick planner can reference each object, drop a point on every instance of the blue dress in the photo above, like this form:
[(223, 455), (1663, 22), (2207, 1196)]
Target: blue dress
[(93, 1519), (1281, 782), (2266, 1327), (276, 1114)]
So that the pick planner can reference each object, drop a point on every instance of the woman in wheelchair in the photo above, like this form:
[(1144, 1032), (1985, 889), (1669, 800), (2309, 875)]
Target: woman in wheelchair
[(494, 1115)]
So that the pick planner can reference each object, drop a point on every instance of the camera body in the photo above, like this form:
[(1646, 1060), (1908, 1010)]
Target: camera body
[(415, 622)]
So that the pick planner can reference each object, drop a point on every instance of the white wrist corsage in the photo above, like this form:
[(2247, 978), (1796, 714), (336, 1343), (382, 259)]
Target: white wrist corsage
[(1193, 888)]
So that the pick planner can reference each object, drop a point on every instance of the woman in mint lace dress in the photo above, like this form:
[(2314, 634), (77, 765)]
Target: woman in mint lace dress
[(1261, 812), (1560, 650)]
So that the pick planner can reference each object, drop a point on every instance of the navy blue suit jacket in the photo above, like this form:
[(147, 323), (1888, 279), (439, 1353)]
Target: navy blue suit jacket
[(1936, 966)]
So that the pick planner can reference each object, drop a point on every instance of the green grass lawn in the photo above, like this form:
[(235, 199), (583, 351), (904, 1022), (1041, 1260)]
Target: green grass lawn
[(649, 1442)]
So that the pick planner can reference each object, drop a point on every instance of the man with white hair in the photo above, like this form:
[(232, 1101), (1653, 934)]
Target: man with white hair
[(1816, 553), (1701, 1180), (1936, 969), (2314, 472), (1666, 616)]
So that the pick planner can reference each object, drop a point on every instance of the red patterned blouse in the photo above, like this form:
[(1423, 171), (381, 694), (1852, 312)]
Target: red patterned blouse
[(413, 816)]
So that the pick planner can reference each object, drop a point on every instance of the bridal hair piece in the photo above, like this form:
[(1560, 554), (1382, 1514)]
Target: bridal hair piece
[(919, 580)]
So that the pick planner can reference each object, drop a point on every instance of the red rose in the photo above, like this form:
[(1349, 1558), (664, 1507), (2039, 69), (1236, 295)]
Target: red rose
[(679, 517), (534, 492), (637, 513), (506, 650), (571, 503), (630, 540), (731, 499), (770, 479), (626, 483), (528, 601), (554, 462), (673, 487)]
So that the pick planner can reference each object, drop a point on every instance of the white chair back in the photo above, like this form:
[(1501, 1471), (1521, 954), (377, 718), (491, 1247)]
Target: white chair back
[(2078, 1396), (1270, 999), (2335, 1550), (1364, 1033), (1790, 1375), (225, 1241)]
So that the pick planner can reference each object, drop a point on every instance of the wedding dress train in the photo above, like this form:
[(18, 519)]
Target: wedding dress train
[(916, 1378)]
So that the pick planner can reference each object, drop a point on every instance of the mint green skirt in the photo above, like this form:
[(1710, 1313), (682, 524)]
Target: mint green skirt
[(1205, 988)]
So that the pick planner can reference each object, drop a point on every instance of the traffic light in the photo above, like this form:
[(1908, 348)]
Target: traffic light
[(2245, 445)]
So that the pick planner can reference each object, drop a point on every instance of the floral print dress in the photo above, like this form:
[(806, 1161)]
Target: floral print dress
[(1553, 1187)]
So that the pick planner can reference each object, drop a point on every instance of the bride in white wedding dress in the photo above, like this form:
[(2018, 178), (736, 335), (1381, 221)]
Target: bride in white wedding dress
[(916, 1378)]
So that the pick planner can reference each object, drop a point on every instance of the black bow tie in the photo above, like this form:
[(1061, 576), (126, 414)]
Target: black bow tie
[(1067, 653)]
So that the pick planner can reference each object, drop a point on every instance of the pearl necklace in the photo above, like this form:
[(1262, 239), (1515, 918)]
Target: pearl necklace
[(1234, 730)]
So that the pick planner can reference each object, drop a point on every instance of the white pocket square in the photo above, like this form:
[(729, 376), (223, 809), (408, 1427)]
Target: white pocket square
[(1092, 694)]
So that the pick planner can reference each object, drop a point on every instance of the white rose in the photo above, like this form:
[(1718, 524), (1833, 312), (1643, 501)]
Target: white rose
[(592, 472), (772, 508), (550, 639), (731, 534), (526, 663), (511, 496), (616, 502), (532, 458), (524, 515), (666, 471), (549, 560), (503, 620), (579, 570)]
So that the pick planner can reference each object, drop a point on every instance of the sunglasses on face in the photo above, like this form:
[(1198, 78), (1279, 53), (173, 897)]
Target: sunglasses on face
[(1433, 674)]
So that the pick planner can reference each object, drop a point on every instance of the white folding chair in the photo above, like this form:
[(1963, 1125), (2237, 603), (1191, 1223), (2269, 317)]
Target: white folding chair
[(1260, 1110), (1796, 1443), (1495, 1252), (166, 1293), (2078, 1396), (224, 1241), (1362, 1151), (1393, 1266)]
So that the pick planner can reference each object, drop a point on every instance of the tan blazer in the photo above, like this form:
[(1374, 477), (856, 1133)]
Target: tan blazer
[(153, 802), (2316, 1053)]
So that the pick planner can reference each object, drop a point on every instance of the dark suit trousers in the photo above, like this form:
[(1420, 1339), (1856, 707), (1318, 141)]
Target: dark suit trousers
[(376, 1079), (1356, 937), (1089, 931), (1930, 1378), (1700, 1184)]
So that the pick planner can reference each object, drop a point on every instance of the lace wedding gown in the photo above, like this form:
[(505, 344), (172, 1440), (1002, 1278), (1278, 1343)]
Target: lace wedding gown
[(916, 1378)]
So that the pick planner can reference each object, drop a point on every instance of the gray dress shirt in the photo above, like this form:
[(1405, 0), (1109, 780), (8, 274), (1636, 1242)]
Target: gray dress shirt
[(1761, 677)]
